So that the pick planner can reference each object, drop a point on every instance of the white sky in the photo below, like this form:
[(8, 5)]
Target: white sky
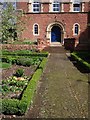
[(39, 0)]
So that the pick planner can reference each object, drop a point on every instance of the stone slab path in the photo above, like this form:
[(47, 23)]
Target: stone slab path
[(62, 91)]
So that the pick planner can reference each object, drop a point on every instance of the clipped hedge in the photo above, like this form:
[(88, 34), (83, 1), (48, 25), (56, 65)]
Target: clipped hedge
[(80, 61), (25, 53), (19, 107)]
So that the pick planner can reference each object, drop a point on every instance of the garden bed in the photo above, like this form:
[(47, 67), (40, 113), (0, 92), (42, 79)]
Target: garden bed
[(11, 84), (18, 91), (28, 71)]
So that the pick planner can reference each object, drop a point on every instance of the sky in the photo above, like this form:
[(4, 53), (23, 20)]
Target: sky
[(38, 0)]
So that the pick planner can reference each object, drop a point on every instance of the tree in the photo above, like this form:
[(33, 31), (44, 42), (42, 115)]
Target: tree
[(13, 23), (8, 23)]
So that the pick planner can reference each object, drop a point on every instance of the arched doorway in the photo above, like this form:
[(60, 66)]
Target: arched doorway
[(55, 34)]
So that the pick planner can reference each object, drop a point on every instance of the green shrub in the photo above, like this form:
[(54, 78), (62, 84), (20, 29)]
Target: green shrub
[(19, 72), (25, 53), (29, 92), (22, 107), (5, 65), (28, 61), (10, 106), (5, 88), (80, 61)]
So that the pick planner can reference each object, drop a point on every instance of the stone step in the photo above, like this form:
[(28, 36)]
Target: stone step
[(56, 44), (55, 49)]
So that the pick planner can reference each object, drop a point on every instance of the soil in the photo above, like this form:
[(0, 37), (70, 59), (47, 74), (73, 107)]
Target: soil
[(28, 71), (6, 73)]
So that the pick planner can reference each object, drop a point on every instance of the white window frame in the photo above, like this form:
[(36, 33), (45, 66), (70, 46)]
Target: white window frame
[(34, 31), (74, 27), (55, 3), (76, 9), (38, 9)]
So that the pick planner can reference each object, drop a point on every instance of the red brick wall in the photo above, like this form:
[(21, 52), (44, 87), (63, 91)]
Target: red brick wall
[(23, 6), (45, 7), (44, 19), (66, 7), (86, 5), (12, 47)]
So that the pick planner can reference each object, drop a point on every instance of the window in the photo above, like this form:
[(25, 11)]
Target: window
[(36, 28), (56, 6), (76, 7), (36, 7), (76, 29)]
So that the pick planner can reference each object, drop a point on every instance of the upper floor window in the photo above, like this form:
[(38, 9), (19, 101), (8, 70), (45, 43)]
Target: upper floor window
[(76, 7), (76, 29), (36, 7), (56, 6), (36, 29)]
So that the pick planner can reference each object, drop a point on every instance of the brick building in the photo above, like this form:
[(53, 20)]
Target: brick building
[(55, 20)]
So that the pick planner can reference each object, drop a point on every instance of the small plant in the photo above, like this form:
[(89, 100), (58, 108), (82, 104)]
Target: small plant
[(19, 72)]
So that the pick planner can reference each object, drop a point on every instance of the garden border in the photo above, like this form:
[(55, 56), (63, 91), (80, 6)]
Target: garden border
[(19, 107), (80, 61)]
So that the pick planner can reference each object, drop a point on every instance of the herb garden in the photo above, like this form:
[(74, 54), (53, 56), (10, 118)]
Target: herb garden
[(20, 72)]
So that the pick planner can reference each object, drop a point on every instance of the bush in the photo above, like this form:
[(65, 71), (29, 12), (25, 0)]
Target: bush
[(28, 61), (10, 106), (80, 61), (19, 72)]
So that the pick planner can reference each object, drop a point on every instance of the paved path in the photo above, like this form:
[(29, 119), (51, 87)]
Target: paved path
[(62, 91)]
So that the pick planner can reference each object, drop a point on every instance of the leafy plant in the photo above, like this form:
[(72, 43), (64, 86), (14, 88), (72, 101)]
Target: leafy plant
[(5, 88), (19, 72), (14, 106)]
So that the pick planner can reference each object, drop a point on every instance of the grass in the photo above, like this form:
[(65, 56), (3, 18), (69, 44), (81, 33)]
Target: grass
[(5, 65)]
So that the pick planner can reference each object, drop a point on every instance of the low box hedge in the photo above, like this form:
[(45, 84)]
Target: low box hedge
[(19, 107), (22, 60), (80, 61), (24, 53)]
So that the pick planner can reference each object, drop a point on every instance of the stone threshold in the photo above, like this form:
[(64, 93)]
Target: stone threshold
[(55, 44)]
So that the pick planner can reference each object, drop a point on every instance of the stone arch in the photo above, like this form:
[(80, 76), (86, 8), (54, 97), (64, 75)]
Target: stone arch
[(49, 28)]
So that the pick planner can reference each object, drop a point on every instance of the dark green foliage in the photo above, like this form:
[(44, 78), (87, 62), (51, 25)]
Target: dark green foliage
[(12, 106), (22, 107), (13, 85), (25, 53), (80, 58), (5, 65), (5, 88), (83, 55), (24, 57), (19, 72), (26, 61)]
